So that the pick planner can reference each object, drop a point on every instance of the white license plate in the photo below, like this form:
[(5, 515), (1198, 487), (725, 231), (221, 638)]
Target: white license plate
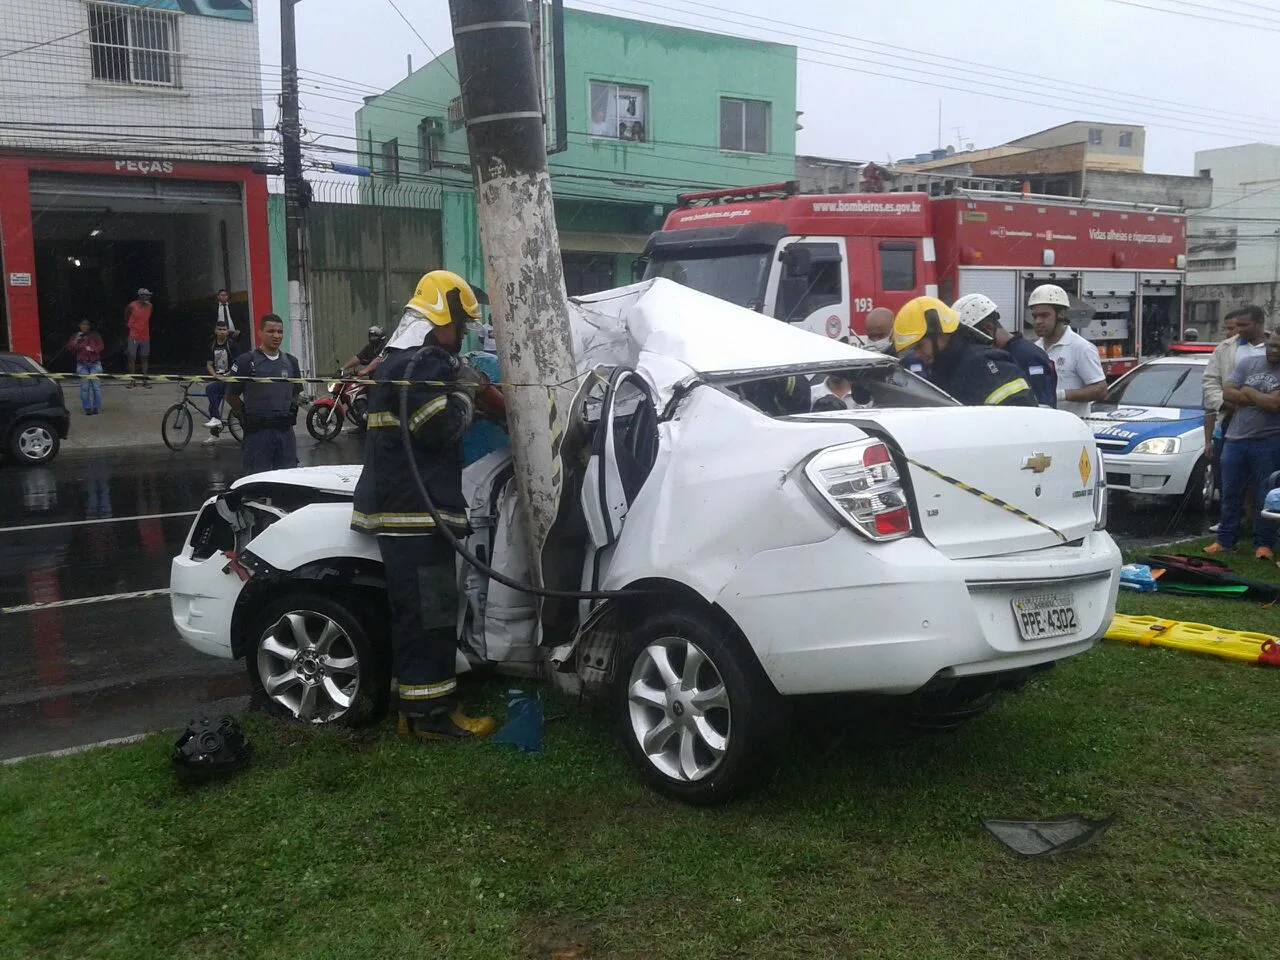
[(1043, 615)]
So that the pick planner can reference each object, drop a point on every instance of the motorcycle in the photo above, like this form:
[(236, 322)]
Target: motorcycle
[(345, 400)]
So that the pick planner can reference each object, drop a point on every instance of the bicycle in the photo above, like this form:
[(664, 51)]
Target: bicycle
[(179, 423)]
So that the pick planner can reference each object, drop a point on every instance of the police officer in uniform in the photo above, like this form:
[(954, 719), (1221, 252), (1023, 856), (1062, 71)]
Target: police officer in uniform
[(422, 584), (980, 312), (959, 359)]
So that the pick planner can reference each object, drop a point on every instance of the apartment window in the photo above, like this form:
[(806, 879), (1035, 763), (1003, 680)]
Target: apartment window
[(1126, 139), (133, 46), (1203, 315), (430, 133), (1214, 264), (619, 111), (1095, 137), (744, 125), (897, 266), (586, 273), (391, 159)]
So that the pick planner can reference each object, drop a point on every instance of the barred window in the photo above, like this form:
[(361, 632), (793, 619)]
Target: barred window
[(133, 46)]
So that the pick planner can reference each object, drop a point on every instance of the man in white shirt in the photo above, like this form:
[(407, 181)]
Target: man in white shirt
[(1080, 377)]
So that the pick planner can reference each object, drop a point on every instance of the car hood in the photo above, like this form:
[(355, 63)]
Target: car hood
[(1143, 423), (333, 479), (671, 332)]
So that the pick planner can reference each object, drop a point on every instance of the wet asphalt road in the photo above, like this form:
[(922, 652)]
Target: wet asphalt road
[(81, 674)]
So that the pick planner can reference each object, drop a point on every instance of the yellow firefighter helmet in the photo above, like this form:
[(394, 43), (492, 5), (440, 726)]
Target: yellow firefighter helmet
[(922, 317), (432, 298)]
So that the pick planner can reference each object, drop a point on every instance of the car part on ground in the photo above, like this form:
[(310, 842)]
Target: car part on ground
[(210, 748), (1047, 838)]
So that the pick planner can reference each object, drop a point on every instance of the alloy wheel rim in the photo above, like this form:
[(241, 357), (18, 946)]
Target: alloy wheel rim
[(679, 709), (35, 443), (308, 664)]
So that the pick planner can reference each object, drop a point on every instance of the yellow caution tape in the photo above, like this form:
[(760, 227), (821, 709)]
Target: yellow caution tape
[(1238, 645), (206, 378), (988, 498)]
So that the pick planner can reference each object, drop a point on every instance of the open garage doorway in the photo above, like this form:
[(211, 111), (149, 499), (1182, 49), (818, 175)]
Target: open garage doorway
[(98, 239)]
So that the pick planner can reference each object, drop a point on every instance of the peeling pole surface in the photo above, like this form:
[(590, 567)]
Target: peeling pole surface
[(523, 273)]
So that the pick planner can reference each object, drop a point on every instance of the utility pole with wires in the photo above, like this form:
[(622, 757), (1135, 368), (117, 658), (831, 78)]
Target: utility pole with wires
[(523, 273), (297, 193)]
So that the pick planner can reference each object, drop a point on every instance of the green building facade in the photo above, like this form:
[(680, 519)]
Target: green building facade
[(653, 111)]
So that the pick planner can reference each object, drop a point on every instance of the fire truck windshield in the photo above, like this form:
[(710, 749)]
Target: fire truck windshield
[(737, 277)]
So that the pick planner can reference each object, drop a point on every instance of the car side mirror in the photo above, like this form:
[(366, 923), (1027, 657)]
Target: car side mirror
[(796, 260)]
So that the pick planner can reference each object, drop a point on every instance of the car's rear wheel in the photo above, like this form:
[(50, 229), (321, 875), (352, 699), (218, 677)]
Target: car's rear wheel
[(33, 442), (696, 712), (312, 660)]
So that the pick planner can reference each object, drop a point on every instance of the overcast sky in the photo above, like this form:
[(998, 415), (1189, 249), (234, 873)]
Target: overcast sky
[(871, 75)]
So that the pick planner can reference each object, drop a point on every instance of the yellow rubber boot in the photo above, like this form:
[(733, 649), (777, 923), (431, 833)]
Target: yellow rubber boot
[(452, 726)]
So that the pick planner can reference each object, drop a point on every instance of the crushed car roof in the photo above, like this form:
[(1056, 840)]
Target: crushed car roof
[(700, 333)]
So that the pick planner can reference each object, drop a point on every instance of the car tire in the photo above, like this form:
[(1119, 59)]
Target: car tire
[(1199, 493), (695, 710), (33, 442), (310, 658)]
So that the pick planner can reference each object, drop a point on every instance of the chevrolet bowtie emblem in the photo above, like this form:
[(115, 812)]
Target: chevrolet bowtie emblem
[(1037, 462)]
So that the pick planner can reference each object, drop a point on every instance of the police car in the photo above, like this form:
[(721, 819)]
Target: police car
[(1150, 430)]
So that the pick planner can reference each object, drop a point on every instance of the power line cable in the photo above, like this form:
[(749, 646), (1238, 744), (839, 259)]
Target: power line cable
[(422, 38), (968, 65)]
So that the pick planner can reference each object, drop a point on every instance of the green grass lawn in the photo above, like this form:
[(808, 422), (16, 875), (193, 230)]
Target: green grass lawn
[(868, 843)]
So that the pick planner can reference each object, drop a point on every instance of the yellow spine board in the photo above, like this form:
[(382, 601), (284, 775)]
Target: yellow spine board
[(1196, 637)]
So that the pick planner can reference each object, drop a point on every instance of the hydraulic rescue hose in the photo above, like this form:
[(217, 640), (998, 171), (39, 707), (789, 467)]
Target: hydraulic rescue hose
[(406, 438)]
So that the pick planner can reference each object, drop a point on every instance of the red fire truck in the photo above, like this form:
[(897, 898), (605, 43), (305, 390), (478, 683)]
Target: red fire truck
[(822, 261)]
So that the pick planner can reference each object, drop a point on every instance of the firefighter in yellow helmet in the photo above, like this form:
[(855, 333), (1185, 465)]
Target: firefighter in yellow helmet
[(419, 564), (960, 359)]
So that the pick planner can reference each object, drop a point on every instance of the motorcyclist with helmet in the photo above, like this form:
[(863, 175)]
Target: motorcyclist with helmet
[(980, 312), (422, 584), (960, 360), (368, 353)]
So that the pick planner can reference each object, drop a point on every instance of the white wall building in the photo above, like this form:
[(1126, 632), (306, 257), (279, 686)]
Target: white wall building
[(131, 147), (141, 76), (1233, 247)]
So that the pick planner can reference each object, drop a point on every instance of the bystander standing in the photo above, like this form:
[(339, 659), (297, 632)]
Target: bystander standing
[(268, 410), (137, 317), (87, 347), (1252, 448)]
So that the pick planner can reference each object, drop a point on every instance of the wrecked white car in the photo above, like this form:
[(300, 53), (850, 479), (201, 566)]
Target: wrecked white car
[(909, 547)]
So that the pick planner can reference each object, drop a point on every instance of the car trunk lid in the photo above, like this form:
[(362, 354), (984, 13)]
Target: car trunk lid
[(990, 481)]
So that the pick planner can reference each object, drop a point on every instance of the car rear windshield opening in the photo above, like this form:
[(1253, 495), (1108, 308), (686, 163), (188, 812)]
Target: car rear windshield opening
[(874, 386)]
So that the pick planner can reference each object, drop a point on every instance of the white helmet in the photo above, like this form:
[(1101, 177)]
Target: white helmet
[(973, 308), (1050, 294)]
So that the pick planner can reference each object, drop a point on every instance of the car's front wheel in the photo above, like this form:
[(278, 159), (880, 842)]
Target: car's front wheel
[(696, 712), (312, 660), (33, 442)]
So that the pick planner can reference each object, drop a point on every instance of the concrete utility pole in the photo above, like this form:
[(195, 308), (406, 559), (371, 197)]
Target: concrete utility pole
[(523, 272), (296, 193)]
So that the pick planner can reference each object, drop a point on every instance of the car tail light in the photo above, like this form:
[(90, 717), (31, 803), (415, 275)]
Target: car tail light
[(861, 481)]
